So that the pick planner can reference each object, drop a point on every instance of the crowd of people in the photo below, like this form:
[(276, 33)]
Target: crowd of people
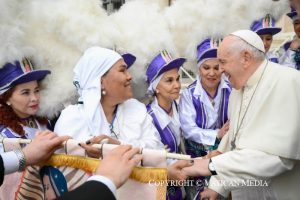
[(240, 116)]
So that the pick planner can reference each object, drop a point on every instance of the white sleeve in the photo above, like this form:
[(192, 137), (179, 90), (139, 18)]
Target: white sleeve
[(287, 59), (10, 162), (241, 165), (105, 181), (149, 136), (187, 116)]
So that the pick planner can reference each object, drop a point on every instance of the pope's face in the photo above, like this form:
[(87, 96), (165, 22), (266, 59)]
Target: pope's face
[(231, 63)]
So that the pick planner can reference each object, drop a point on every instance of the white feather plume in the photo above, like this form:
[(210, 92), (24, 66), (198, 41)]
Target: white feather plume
[(60, 30), (11, 34), (144, 33), (192, 21)]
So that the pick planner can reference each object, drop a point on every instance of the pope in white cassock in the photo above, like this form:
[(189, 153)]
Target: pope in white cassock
[(261, 152)]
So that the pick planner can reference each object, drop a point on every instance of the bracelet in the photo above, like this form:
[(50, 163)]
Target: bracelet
[(21, 158)]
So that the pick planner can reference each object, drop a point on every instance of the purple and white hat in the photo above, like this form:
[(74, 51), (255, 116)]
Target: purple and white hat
[(129, 59), (265, 25), (207, 49), (161, 63), (12, 74)]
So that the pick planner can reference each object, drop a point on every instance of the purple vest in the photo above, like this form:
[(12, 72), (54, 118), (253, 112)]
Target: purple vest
[(166, 134), (201, 115)]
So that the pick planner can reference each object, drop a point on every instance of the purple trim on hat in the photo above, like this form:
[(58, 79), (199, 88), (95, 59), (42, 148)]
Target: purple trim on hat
[(265, 25), (129, 59), (272, 31), (210, 53), (205, 50), (13, 74), (159, 65), (292, 14)]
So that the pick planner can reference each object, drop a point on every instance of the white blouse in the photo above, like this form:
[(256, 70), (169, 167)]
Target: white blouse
[(166, 120), (132, 125), (187, 113)]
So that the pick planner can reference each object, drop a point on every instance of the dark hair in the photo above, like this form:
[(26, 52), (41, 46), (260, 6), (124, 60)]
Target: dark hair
[(9, 118)]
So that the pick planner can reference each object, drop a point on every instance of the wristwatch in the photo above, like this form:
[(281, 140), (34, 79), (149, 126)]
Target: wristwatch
[(211, 168)]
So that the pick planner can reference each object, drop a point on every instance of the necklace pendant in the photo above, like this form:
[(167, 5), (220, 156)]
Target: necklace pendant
[(213, 103), (233, 146)]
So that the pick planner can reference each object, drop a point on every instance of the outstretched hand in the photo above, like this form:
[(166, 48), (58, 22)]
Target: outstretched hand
[(200, 168), (175, 170)]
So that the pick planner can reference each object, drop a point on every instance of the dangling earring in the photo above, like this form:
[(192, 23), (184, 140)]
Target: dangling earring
[(103, 92), (8, 103)]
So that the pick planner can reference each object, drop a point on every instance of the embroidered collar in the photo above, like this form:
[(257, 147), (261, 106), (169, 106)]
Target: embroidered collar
[(199, 91), (164, 118)]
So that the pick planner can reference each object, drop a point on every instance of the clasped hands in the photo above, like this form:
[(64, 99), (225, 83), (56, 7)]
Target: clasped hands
[(182, 170)]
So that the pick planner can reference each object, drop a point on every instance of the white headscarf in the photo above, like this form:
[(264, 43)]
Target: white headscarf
[(94, 63), (152, 87)]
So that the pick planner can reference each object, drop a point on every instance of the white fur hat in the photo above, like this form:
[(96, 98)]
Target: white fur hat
[(251, 38)]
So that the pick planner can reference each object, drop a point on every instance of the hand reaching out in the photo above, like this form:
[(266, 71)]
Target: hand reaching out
[(175, 170)]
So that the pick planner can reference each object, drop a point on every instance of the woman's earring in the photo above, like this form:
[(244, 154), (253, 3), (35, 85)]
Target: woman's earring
[(8, 103), (103, 92)]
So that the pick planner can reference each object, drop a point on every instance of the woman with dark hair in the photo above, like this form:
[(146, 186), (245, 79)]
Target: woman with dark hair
[(164, 86), (203, 108), (19, 100), (19, 103)]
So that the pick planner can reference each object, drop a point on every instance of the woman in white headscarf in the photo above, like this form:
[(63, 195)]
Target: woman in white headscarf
[(105, 107)]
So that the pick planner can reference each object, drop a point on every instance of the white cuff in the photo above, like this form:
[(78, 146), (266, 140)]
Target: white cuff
[(10, 162), (105, 181)]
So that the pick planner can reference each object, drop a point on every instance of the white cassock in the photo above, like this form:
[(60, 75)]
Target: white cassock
[(268, 141)]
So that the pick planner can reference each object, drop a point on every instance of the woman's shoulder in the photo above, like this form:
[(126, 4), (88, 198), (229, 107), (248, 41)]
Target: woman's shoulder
[(134, 107), (70, 114), (71, 110)]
